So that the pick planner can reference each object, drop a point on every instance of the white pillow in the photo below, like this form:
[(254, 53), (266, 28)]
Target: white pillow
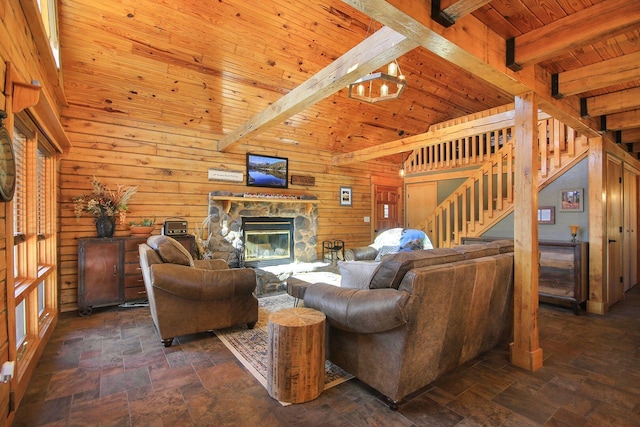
[(357, 274)]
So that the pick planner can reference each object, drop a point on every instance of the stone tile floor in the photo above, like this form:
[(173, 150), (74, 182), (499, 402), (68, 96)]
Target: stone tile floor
[(110, 369)]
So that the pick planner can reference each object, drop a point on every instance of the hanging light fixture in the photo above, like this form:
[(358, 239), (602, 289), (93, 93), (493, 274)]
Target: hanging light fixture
[(402, 171), (379, 86)]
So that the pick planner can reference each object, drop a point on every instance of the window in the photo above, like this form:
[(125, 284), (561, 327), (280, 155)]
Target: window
[(21, 134), (21, 324), (49, 14), (41, 299), (35, 282)]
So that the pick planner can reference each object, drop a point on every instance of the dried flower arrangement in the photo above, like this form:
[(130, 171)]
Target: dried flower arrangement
[(103, 202)]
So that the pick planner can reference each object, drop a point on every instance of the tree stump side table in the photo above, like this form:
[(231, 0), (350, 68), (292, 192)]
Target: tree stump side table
[(295, 369)]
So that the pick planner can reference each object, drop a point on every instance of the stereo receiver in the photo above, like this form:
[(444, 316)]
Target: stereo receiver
[(175, 227)]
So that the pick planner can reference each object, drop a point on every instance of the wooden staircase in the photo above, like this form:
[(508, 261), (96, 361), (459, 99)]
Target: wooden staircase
[(486, 196)]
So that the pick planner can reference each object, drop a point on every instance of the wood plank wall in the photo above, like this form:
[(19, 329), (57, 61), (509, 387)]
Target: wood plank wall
[(169, 165)]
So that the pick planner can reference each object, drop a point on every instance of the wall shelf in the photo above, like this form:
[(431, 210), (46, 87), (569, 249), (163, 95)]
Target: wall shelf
[(226, 201), (25, 95)]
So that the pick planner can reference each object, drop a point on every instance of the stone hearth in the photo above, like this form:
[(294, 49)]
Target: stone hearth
[(224, 226)]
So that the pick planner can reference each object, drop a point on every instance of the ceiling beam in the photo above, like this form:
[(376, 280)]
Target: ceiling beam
[(615, 102), (623, 121), (454, 10), (604, 20), (597, 76), (631, 136), (375, 51)]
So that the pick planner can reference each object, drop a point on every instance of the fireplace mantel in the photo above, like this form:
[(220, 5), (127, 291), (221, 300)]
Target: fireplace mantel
[(226, 201)]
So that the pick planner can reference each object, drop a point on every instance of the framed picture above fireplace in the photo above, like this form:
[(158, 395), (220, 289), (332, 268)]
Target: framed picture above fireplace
[(267, 171)]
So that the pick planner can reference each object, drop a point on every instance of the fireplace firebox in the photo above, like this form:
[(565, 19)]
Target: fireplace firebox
[(267, 241)]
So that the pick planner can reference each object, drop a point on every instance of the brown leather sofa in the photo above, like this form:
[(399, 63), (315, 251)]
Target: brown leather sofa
[(425, 313), (188, 296)]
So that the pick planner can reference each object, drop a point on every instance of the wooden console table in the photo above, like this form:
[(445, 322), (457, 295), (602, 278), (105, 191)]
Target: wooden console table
[(563, 275)]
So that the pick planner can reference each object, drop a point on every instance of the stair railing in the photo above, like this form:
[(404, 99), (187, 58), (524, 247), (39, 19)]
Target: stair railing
[(487, 195)]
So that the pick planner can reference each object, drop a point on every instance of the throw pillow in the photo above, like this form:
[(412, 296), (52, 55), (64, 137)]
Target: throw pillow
[(170, 250), (357, 274), (386, 250)]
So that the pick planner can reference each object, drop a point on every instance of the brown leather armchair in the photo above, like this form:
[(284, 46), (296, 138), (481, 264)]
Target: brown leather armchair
[(187, 296)]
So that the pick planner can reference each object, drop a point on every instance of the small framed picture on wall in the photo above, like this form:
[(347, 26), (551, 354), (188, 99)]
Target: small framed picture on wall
[(345, 196), (546, 215), (571, 200)]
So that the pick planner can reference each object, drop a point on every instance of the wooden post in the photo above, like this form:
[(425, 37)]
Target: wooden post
[(525, 350), (596, 302), (295, 371)]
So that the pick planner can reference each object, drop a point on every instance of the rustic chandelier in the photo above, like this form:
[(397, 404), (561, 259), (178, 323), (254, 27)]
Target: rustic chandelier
[(379, 86)]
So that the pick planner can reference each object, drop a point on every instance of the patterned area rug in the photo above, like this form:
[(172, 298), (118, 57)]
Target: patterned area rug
[(250, 345)]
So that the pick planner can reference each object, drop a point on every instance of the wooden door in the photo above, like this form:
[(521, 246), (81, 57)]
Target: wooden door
[(387, 213), (421, 200), (630, 244), (387, 202), (614, 231)]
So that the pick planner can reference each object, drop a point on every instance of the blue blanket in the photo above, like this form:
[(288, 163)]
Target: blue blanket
[(411, 240)]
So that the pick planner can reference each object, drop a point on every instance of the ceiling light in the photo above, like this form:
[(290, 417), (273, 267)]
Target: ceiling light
[(379, 86)]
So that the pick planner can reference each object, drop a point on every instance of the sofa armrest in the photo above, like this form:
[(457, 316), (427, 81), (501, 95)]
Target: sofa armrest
[(363, 253), (200, 284), (211, 264), (360, 310)]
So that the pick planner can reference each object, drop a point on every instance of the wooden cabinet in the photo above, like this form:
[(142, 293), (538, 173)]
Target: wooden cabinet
[(109, 271), (99, 273), (563, 274)]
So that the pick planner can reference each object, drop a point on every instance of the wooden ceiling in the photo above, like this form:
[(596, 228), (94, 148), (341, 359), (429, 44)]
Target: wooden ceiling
[(274, 73)]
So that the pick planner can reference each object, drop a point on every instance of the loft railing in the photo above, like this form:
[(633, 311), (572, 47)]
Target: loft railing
[(466, 151)]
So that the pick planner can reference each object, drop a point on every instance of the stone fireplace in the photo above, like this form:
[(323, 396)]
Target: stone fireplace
[(229, 214)]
